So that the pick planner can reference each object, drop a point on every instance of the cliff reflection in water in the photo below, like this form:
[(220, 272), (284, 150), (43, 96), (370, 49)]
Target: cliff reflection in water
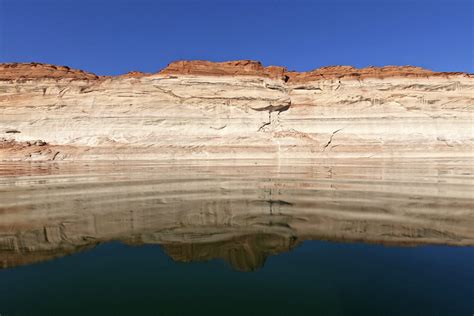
[(239, 212)]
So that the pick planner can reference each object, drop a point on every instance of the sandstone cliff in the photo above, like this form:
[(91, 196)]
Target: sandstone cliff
[(236, 109)]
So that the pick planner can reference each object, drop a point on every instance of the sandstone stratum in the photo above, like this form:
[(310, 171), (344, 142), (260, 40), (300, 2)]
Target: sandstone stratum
[(236, 109)]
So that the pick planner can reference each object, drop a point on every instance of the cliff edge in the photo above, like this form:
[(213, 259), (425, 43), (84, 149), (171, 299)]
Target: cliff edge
[(235, 109)]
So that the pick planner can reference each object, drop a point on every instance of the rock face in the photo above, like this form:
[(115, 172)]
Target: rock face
[(238, 109)]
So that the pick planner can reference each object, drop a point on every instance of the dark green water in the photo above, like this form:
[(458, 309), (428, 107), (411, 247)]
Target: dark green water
[(316, 278), (346, 238)]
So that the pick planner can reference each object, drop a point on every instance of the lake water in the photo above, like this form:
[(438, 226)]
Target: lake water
[(339, 237)]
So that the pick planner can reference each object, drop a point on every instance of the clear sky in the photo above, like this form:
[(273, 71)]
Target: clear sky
[(116, 36)]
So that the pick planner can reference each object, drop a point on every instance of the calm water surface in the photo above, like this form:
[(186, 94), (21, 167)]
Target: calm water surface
[(371, 237)]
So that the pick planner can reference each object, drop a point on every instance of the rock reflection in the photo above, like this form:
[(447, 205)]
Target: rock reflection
[(243, 253), (241, 212)]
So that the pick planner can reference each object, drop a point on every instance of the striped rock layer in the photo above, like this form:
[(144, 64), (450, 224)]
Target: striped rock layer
[(237, 110)]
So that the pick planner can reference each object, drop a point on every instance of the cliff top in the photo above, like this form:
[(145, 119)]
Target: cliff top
[(14, 71), (232, 68)]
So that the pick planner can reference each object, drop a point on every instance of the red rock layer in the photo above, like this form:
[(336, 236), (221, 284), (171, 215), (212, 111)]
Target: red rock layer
[(338, 72), (14, 71), (228, 68), (135, 74)]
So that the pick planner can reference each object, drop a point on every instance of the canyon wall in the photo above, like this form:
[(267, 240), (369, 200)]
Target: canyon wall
[(240, 109)]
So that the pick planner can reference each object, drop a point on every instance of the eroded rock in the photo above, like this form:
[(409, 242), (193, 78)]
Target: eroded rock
[(237, 109)]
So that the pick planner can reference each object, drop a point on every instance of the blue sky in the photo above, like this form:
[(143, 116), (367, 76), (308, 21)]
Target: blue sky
[(113, 37)]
